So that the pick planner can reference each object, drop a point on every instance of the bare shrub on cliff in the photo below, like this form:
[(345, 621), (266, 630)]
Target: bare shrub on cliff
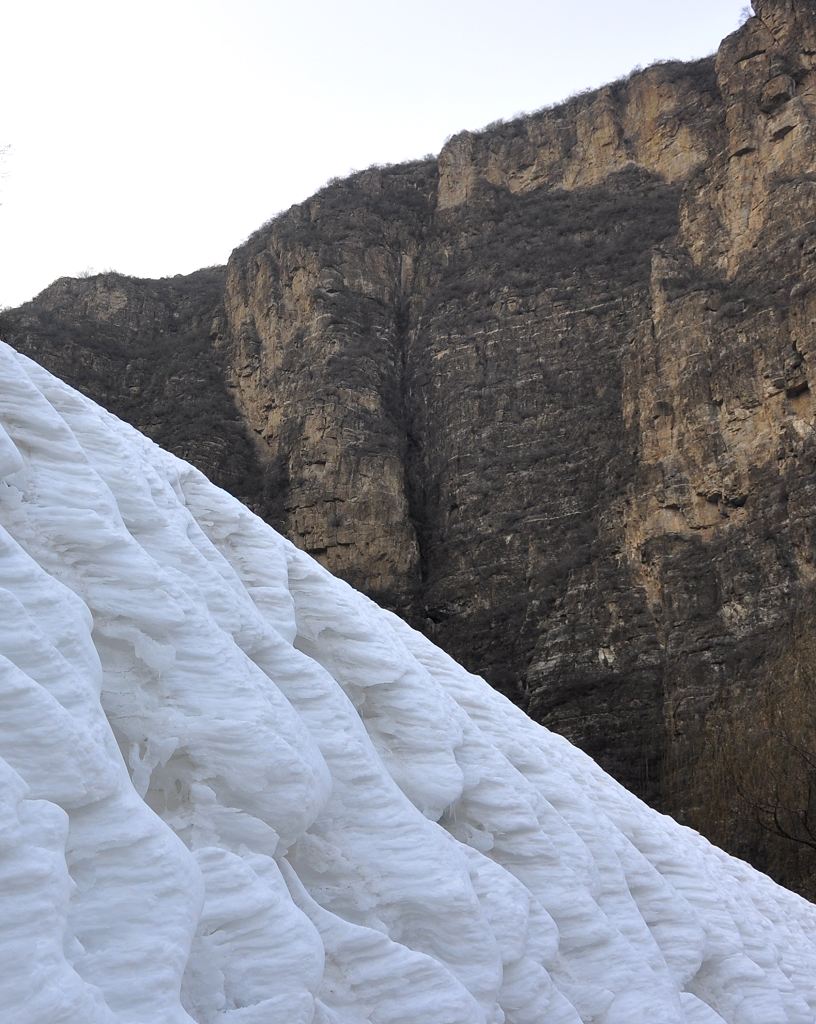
[(760, 754), (775, 774)]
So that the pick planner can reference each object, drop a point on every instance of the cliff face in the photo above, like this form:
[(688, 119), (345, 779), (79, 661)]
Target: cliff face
[(314, 330), (549, 396), (145, 350)]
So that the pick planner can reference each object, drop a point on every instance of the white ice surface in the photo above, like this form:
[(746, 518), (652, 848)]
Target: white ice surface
[(234, 791)]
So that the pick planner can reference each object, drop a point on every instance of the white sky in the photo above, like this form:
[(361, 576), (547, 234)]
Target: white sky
[(153, 137)]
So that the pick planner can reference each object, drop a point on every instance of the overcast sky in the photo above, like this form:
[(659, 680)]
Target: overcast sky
[(153, 137)]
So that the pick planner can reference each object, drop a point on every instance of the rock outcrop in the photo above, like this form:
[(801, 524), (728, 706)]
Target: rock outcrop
[(145, 350), (548, 396)]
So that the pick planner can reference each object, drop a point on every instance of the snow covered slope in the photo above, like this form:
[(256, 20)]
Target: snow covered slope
[(234, 790)]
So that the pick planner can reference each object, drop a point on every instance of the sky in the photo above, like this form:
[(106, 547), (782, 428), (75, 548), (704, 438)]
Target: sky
[(152, 138)]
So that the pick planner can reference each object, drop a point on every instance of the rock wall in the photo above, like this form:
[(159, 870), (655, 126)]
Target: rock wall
[(548, 396), (314, 328), (145, 350)]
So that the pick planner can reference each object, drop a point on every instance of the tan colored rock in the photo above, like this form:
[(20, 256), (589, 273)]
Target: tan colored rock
[(663, 120)]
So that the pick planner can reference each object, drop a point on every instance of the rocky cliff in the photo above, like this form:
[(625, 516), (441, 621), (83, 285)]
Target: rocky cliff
[(144, 349), (548, 396)]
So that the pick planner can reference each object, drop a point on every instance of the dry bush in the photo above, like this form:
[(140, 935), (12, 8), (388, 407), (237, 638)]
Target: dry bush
[(759, 761)]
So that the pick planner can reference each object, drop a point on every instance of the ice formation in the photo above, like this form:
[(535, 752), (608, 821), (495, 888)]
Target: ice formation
[(233, 790)]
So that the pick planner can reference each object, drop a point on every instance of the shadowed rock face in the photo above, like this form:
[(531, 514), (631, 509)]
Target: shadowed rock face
[(548, 396), (145, 350)]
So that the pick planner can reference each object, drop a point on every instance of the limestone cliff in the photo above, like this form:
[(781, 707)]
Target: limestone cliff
[(549, 396)]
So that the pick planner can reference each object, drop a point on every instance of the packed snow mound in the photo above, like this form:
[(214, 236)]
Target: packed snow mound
[(234, 790)]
